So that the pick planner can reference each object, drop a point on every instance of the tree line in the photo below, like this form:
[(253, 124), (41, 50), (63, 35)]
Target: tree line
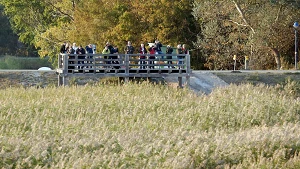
[(214, 30), (9, 40)]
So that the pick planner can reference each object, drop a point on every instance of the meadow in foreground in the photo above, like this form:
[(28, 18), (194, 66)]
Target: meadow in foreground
[(149, 126)]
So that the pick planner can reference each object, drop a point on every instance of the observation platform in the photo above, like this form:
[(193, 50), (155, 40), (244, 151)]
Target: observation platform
[(123, 65)]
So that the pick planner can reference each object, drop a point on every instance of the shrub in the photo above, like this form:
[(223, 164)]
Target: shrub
[(12, 62)]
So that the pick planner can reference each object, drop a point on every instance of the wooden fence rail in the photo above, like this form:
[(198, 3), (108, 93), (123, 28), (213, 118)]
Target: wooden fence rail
[(123, 65)]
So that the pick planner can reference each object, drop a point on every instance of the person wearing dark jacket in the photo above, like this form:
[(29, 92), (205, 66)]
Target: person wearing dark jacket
[(81, 55), (158, 48), (169, 50), (129, 49), (89, 51), (115, 57), (63, 48), (111, 51)]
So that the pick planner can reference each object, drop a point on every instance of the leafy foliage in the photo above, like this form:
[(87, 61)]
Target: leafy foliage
[(49, 23), (259, 29), (9, 43), (216, 29), (7, 38)]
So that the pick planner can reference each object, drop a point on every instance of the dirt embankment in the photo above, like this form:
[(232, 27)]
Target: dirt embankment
[(49, 78), (268, 78), (27, 78)]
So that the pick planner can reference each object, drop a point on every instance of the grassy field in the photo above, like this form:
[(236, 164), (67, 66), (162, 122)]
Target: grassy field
[(150, 126)]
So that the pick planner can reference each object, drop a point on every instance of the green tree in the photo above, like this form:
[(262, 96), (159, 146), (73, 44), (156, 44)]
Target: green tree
[(48, 23), (32, 19), (8, 40), (259, 29), (9, 43)]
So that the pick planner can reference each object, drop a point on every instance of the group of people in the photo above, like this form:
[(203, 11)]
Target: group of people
[(112, 52), (73, 49), (156, 49)]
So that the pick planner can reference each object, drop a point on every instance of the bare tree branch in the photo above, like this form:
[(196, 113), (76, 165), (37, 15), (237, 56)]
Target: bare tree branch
[(278, 13), (238, 23), (242, 15), (60, 11)]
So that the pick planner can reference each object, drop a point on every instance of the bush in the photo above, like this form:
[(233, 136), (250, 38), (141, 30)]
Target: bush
[(12, 62)]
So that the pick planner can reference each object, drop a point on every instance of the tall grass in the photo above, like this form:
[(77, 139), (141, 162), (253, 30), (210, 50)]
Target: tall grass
[(149, 126)]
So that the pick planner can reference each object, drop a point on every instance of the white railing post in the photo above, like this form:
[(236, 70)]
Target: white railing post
[(188, 69), (65, 69), (60, 80)]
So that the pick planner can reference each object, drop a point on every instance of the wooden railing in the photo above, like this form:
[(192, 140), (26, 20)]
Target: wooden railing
[(123, 65)]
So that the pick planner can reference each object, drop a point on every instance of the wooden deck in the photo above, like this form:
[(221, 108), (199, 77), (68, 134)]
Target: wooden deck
[(122, 65)]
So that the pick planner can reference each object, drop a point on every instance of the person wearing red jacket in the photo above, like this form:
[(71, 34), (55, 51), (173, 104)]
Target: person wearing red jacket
[(152, 51)]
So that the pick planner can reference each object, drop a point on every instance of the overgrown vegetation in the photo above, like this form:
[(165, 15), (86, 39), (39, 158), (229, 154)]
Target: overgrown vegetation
[(9, 40), (150, 126), (214, 30), (258, 29), (12, 62)]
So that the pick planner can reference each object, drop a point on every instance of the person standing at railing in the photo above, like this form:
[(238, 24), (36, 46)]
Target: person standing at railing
[(111, 49), (75, 48), (142, 51), (169, 51), (63, 48), (129, 49), (115, 57), (116, 50), (70, 50), (179, 52), (184, 51), (158, 48), (89, 51), (152, 51), (106, 51), (81, 55)]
